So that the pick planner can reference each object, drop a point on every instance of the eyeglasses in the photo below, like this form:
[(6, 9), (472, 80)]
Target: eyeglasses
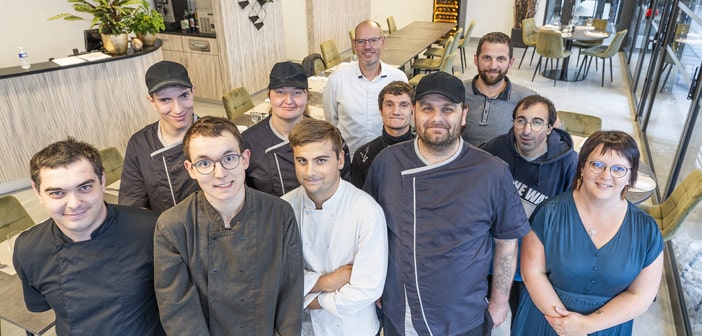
[(536, 124), (373, 41), (598, 167), (207, 166)]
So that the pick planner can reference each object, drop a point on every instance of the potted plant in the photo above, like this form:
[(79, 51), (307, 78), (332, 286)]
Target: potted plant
[(109, 16), (523, 9), (145, 23)]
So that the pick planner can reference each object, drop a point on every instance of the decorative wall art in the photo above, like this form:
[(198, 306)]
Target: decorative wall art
[(256, 12)]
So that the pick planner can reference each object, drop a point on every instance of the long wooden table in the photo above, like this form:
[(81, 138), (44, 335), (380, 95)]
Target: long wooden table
[(406, 43)]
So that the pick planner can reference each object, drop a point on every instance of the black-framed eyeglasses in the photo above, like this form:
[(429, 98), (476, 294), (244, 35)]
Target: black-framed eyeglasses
[(373, 41), (536, 124), (617, 171), (207, 166)]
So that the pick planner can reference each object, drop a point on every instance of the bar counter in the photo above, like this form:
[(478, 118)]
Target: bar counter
[(101, 102)]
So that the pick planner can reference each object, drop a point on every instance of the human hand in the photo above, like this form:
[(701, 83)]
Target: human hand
[(498, 313), (335, 280), (567, 323)]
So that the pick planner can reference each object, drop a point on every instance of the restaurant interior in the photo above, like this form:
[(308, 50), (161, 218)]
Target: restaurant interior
[(648, 88)]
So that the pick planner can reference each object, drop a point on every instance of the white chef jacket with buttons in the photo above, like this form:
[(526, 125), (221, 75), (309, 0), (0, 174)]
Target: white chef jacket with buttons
[(349, 229)]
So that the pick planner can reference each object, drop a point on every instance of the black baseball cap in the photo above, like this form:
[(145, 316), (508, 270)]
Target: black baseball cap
[(166, 73), (287, 74), (441, 83)]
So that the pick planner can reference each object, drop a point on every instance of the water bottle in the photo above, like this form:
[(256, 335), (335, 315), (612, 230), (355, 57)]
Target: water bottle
[(24, 58)]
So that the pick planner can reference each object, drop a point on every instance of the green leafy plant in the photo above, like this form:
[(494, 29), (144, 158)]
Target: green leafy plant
[(146, 21), (524, 9), (110, 16)]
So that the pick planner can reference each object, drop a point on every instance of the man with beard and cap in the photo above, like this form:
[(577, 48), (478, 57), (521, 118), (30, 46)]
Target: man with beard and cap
[(446, 203), (540, 157), (491, 96)]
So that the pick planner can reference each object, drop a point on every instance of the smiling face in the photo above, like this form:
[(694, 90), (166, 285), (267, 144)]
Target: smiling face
[(288, 103), (369, 53), (73, 197), (221, 186), (397, 113), (493, 62), (604, 186), (174, 105), (531, 142), (438, 121), (317, 168)]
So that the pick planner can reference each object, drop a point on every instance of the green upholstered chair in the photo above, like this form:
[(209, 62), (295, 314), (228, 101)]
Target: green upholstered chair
[(113, 161), (433, 64), (528, 38), (14, 216), (579, 124), (392, 26), (603, 52), (598, 24), (549, 44), (330, 53), (462, 44), (439, 51), (236, 102), (313, 64), (446, 66), (671, 214)]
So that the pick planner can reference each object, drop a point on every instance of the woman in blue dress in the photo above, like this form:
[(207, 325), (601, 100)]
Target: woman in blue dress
[(593, 261)]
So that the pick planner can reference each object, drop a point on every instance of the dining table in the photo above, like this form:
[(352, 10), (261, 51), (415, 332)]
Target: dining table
[(403, 45), (578, 33), (12, 307)]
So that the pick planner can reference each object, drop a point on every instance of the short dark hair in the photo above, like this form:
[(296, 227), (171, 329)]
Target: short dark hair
[(395, 88), (312, 130), (212, 127), (611, 141), (61, 154), (529, 101), (495, 37)]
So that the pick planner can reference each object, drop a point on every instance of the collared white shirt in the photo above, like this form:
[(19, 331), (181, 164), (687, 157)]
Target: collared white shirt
[(350, 229), (351, 102)]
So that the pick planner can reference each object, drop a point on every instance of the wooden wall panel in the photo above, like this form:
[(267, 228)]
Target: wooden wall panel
[(102, 104), (332, 20), (248, 54)]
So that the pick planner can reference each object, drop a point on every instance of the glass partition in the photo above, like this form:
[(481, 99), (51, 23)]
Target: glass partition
[(669, 87)]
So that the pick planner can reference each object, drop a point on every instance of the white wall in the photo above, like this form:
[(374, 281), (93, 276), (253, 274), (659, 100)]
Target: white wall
[(24, 24), (295, 27), (404, 11)]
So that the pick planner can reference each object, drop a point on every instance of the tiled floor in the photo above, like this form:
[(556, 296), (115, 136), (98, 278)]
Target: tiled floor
[(612, 103)]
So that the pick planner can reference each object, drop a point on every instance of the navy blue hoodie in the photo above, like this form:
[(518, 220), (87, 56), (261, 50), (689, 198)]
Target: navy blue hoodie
[(546, 176)]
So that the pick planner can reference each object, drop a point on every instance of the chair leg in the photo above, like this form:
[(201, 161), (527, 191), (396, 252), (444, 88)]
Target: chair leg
[(580, 68), (533, 50), (462, 51), (603, 71), (556, 73), (611, 77), (538, 66), (523, 54)]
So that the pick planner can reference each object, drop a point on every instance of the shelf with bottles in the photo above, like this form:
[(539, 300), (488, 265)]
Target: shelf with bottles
[(446, 18), (442, 9), (446, 2)]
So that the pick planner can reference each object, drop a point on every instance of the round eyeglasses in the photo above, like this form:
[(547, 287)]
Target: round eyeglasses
[(207, 166), (598, 167), (536, 124)]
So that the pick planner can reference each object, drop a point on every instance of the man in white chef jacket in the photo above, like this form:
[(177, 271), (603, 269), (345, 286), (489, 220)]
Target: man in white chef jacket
[(343, 233)]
